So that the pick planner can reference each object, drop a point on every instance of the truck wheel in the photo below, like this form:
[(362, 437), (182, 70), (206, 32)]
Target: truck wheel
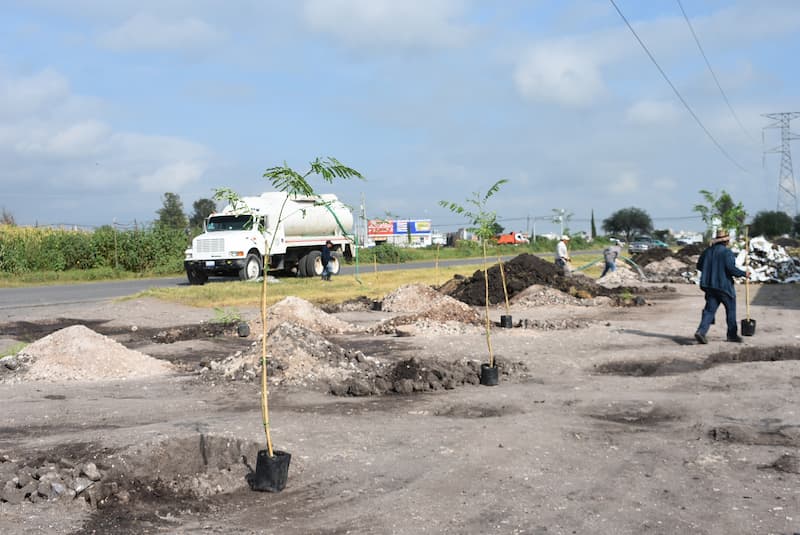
[(301, 266), (196, 277), (336, 263), (314, 264), (251, 269)]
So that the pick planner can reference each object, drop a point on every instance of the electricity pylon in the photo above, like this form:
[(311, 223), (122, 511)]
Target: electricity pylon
[(787, 194)]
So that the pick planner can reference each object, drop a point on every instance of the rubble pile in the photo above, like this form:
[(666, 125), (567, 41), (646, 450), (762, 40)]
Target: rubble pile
[(296, 356), (622, 276), (541, 295), (61, 481), (522, 272), (301, 312), (78, 353), (424, 307), (769, 262)]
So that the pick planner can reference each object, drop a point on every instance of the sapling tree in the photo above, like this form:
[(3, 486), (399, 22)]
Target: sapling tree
[(284, 179), (483, 223)]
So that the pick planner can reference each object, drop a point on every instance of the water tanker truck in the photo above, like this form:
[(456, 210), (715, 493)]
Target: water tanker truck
[(235, 240)]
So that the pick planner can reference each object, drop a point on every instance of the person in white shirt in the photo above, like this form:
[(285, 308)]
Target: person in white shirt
[(562, 255)]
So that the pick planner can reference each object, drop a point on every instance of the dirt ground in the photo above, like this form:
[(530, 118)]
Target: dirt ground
[(607, 419)]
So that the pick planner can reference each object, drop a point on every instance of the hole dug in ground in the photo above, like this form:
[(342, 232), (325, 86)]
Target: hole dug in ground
[(655, 368)]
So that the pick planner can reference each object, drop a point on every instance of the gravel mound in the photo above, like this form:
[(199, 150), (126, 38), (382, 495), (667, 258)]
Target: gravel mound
[(301, 312), (300, 357), (424, 307), (78, 353)]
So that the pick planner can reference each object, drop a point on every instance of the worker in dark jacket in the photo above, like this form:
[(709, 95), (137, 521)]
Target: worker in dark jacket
[(326, 261), (718, 267)]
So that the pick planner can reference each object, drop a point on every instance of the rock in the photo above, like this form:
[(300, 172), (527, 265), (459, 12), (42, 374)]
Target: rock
[(12, 495), (24, 478), (91, 471), (79, 484), (10, 362), (45, 490)]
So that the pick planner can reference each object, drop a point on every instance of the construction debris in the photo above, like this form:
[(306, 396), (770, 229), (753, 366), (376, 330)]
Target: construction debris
[(77, 353)]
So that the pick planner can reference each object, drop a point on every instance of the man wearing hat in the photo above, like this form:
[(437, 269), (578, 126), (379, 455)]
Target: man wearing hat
[(562, 255), (717, 265)]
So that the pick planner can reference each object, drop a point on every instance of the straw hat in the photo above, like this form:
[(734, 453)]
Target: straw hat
[(721, 237), (565, 238)]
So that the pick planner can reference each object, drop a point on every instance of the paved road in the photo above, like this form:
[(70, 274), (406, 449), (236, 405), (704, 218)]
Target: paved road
[(34, 296)]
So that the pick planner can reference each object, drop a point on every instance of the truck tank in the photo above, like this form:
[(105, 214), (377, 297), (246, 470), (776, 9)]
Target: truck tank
[(304, 216)]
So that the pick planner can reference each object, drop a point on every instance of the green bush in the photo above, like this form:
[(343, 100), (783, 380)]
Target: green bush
[(26, 250), (386, 253)]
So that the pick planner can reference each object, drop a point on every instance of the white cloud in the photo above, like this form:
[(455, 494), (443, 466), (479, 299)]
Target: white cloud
[(652, 112), (626, 182), (60, 143), (171, 177), (388, 22), (24, 95), (561, 73), (146, 32)]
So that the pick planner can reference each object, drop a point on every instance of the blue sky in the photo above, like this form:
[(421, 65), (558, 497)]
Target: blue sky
[(105, 106)]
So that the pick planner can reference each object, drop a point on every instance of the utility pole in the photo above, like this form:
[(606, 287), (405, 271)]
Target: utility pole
[(787, 194)]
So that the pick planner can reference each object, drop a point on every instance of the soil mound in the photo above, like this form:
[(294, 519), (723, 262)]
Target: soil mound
[(670, 269), (622, 276), (77, 353), (422, 306), (297, 355), (521, 272), (301, 312)]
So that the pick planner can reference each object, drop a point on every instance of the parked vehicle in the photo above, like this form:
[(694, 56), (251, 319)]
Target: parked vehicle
[(512, 238), (645, 243), (235, 240)]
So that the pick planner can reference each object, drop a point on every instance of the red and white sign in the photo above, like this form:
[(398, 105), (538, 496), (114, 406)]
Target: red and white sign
[(379, 227)]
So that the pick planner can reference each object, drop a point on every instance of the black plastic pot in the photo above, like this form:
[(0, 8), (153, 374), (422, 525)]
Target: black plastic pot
[(490, 375), (271, 472), (748, 327), (506, 322), (243, 330)]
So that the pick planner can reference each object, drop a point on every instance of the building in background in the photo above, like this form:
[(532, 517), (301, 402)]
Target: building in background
[(400, 232)]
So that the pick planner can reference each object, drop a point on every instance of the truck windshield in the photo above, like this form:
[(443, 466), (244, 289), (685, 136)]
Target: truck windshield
[(229, 222)]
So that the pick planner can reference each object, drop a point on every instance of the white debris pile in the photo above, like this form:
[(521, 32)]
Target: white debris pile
[(301, 312), (78, 353), (768, 262)]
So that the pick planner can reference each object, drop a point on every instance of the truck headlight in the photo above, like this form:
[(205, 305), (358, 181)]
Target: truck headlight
[(236, 253)]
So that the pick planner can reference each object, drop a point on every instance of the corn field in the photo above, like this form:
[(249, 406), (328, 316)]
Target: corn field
[(32, 249)]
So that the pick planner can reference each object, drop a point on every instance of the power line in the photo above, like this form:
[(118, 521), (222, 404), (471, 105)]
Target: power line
[(677, 93), (713, 75)]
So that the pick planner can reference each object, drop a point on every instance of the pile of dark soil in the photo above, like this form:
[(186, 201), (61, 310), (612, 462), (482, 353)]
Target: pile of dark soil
[(420, 375), (521, 272)]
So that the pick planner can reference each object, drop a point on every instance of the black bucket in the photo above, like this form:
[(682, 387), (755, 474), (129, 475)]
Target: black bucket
[(506, 322), (748, 327), (243, 330), (490, 375), (271, 472)]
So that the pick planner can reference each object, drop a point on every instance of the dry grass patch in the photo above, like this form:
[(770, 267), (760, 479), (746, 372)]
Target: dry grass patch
[(222, 293)]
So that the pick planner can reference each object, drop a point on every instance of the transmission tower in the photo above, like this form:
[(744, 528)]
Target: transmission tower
[(787, 194)]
